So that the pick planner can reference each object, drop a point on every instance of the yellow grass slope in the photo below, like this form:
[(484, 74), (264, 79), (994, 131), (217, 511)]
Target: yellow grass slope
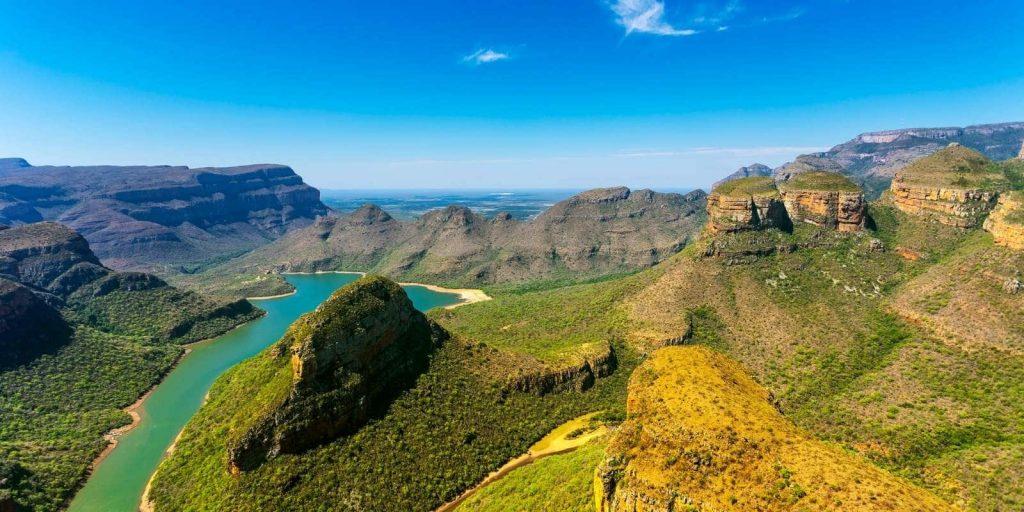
[(701, 435)]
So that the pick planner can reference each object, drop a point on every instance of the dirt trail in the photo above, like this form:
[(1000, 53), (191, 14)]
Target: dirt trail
[(555, 443)]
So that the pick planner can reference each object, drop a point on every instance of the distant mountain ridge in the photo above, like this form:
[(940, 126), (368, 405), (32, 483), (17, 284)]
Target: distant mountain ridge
[(872, 159), (142, 217), (596, 232)]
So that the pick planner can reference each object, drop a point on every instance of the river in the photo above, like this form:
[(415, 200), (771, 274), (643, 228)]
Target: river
[(118, 481)]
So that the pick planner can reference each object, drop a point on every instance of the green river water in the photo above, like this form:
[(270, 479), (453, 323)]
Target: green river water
[(117, 483)]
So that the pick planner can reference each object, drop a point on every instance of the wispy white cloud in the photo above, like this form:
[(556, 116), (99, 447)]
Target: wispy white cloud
[(647, 17), (650, 16), (484, 56)]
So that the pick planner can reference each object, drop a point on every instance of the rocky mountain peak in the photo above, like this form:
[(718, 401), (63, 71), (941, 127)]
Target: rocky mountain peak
[(349, 359), (369, 214), (749, 171), (13, 163), (601, 195)]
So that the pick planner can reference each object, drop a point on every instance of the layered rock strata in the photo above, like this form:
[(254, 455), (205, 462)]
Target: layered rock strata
[(134, 217), (953, 187), (349, 358), (746, 204), (1006, 223), (824, 199)]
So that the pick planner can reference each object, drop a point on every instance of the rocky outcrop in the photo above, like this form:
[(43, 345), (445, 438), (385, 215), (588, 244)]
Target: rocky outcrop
[(806, 163), (750, 171), (577, 375), (349, 358), (746, 204), (48, 256), (954, 187), (142, 217), (597, 232), (28, 325), (824, 199), (1020, 156), (701, 434), (1006, 223)]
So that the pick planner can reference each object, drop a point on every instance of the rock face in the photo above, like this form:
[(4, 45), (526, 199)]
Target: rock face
[(135, 217), (1006, 223), (700, 434), (954, 187), (349, 358), (824, 199), (597, 232), (48, 256), (806, 163), (28, 325), (746, 204), (750, 171)]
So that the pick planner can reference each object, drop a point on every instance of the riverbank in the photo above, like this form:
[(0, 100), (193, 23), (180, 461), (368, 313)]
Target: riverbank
[(127, 468), (556, 442), (466, 295)]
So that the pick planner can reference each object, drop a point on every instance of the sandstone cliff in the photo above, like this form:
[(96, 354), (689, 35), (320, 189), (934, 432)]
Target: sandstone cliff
[(143, 217), (349, 358), (700, 434), (746, 204), (1006, 223), (597, 232), (955, 186), (824, 199)]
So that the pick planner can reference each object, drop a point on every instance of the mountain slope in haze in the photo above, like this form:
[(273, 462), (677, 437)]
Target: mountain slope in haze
[(601, 231), (872, 159), (78, 342), (700, 434), (146, 217)]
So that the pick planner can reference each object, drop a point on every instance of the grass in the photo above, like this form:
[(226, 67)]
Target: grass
[(559, 483), (437, 439), (820, 181), (955, 167), (751, 186)]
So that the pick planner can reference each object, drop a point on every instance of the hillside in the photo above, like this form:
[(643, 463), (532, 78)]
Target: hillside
[(880, 339), (144, 218), (599, 232), (702, 435), (80, 342)]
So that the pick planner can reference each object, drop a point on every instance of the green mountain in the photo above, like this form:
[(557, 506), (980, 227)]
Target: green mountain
[(80, 342), (878, 342)]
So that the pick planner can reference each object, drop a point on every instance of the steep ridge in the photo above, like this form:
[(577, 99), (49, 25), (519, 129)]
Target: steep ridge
[(79, 342), (751, 171), (597, 232), (349, 358), (145, 217), (702, 435)]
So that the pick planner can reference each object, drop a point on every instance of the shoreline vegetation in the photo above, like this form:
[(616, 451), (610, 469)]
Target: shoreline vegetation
[(466, 296)]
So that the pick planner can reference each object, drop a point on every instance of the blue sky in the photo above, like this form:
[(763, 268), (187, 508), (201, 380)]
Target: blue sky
[(498, 94)]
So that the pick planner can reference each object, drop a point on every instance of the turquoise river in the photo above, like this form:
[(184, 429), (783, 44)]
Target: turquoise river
[(118, 481)]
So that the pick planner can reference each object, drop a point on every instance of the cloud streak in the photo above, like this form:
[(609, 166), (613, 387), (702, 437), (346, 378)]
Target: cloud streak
[(484, 56), (649, 16), (646, 17)]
